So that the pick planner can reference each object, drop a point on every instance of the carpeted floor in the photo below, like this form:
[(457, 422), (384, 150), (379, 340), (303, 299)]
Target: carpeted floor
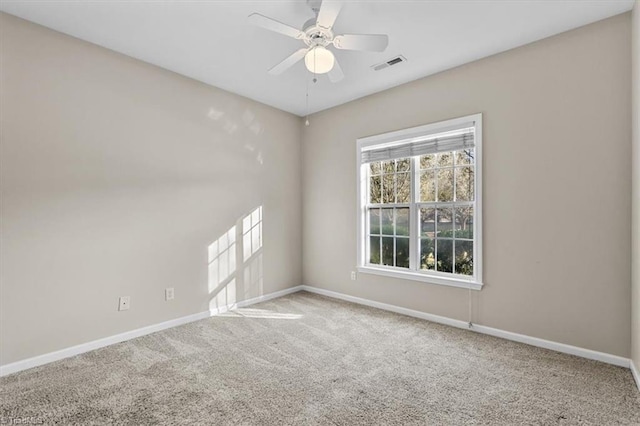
[(304, 359)]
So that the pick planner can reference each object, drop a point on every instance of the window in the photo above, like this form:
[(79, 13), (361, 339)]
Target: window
[(420, 214)]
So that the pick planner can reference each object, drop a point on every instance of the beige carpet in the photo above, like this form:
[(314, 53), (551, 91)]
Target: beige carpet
[(305, 359)]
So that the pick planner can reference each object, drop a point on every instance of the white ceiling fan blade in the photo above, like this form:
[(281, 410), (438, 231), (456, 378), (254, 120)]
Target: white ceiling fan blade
[(328, 13), (367, 42), (276, 26), (289, 61), (336, 74)]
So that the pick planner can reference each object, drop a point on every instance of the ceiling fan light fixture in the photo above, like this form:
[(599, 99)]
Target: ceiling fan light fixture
[(317, 34), (319, 60)]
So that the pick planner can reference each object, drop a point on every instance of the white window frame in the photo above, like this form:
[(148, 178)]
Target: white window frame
[(473, 282)]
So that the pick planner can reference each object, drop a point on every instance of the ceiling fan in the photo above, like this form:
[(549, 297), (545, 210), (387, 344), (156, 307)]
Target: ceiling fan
[(317, 35)]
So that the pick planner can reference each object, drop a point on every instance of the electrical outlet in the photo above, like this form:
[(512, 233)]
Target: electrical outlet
[(125, 302), (168, 293), (353, 275)]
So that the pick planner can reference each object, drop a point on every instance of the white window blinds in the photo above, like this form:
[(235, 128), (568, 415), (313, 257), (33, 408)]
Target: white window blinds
[(448, 141)]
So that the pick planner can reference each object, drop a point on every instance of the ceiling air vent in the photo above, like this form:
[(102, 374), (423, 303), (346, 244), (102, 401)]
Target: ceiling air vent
[(398, 59)]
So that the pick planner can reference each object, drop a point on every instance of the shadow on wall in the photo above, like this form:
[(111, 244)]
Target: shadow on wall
[(235, 263)]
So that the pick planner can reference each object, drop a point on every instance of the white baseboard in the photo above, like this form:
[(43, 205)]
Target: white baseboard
[(534, 341), (254, 300), (128, 335), (386, 307), (555, 346), (636, 374), (100, 343)]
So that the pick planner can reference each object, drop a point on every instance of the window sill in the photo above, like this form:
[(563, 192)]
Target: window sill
[(417, 276)]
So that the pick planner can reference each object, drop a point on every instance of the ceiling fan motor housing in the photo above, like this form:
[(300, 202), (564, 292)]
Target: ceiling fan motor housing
[(316, 35)]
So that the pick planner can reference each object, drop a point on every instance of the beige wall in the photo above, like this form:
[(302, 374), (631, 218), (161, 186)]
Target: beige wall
[(635, 252), (557, 179), (116, 176)]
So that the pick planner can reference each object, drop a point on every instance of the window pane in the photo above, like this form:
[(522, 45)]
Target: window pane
[(464, 222), (402, 221), (445, 159), (427, 253), (375, 190), (428, 222), (444, 260), (428, 186), (374, 221), (388, 166), (445, 185), (402, 252), (428, 161), (464, 257), (444, 223), (374, 250), (403, 165), (375, 168), (464, 156), (403, 188), (387, 221), (388, 189), (387, 251), (464, 184)]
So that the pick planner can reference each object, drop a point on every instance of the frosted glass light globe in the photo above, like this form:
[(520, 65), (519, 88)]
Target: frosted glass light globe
[(319, 60)]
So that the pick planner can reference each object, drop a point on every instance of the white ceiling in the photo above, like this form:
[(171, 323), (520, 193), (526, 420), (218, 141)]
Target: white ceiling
[(211, 41)]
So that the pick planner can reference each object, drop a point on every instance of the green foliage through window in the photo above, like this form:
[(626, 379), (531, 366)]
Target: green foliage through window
[(445, 196)]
